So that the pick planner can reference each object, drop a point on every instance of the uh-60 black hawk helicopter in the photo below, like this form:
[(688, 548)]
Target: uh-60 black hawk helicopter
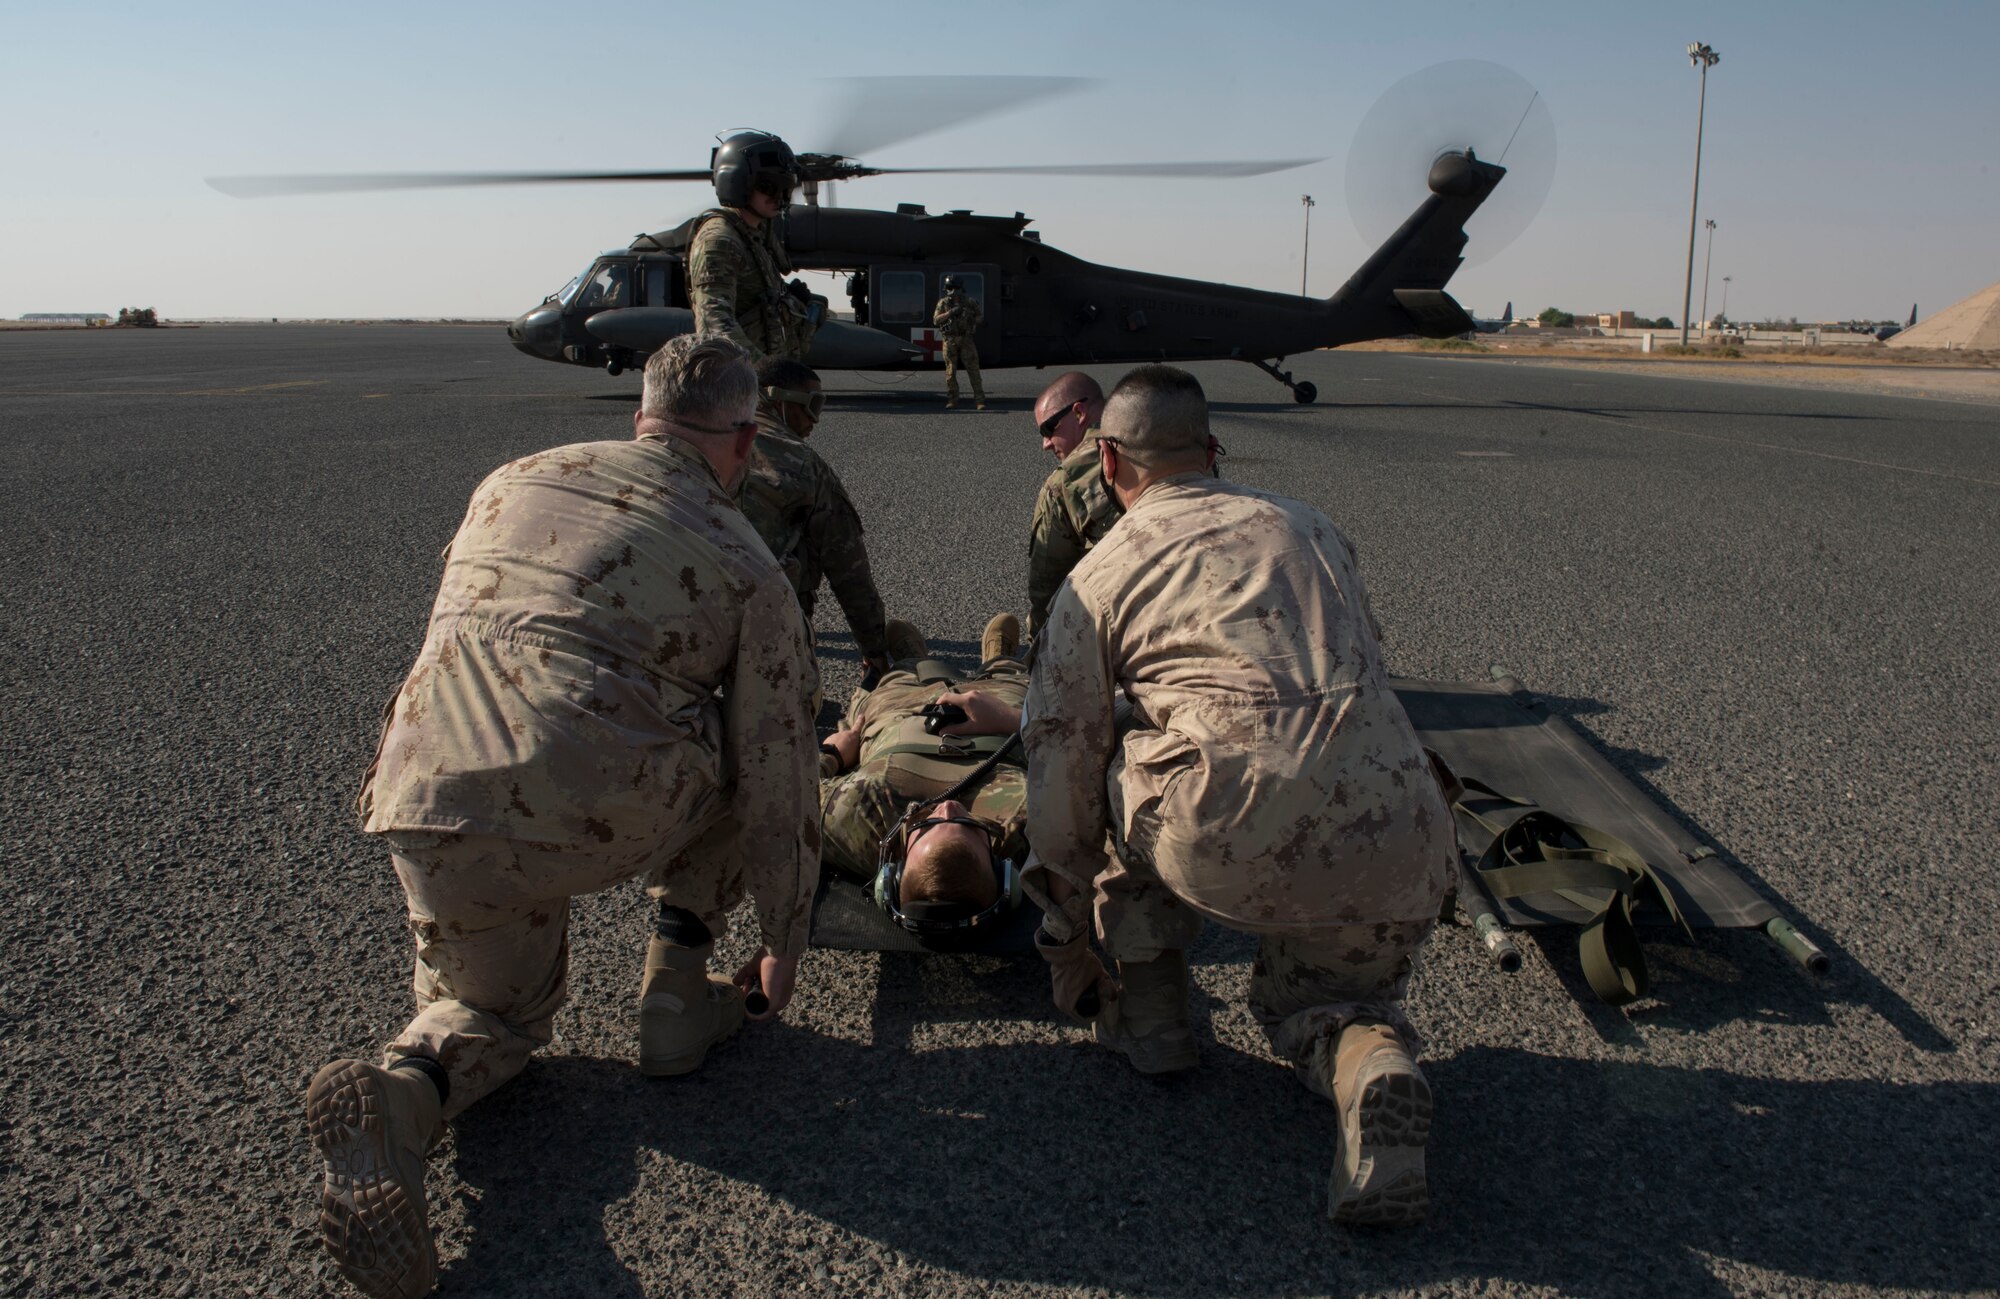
[(1040, 306)]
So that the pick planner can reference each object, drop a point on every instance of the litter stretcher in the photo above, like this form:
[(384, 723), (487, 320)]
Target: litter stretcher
[(1549, 833)]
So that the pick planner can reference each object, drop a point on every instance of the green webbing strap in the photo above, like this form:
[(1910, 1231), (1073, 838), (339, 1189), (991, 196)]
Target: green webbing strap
[(949, 747), (929, 672), (1535, 851)]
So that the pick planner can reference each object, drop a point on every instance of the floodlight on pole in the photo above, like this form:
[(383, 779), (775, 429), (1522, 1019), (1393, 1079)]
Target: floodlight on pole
[(1704, 58), (1707, 260), (1306, 201)]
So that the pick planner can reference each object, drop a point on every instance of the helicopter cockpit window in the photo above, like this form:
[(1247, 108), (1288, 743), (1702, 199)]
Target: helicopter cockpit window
[(607, 287), (568, 291), (899, 298)]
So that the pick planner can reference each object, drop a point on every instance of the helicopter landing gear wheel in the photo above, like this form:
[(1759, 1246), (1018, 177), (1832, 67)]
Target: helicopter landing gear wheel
[(1304, 393)]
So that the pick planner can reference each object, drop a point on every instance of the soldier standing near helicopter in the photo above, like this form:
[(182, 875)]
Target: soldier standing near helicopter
[(957, 319), (736, 259)]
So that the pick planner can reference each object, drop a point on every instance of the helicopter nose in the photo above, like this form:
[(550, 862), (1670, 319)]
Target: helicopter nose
[(538, 333)]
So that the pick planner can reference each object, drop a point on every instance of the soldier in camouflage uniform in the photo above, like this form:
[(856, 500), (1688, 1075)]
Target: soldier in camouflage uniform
[(957, 319), (736, 258), (1075, 509), (1270, 780), (798, 506), (613, 685), (881, 760)]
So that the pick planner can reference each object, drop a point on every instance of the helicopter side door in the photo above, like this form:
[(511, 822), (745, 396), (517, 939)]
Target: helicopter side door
[(902, 297), (662, 283)]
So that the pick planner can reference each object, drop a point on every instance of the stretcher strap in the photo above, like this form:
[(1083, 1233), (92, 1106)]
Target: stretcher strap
[(1535, 851), (950, 748)]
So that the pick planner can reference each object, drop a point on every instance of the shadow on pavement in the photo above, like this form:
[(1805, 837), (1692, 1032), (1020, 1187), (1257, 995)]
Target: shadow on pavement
[(1702, 985), (1058, 1165)]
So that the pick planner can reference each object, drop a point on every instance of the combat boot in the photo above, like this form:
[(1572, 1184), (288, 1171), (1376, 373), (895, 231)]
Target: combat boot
[(683, 1010), (1001, 638), (1148, 1022), (372, 1126), (1385, 1118), (905, 642)]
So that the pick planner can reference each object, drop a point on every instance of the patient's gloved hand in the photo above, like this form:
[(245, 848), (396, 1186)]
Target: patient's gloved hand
[(1079, 981), (985, 714)]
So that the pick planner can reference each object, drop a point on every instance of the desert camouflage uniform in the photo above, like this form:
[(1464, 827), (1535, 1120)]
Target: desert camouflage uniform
[(1270, 780), (957, 318), (561, 732), (799, 507), (858, 807), (1072, 514), (736, 283)]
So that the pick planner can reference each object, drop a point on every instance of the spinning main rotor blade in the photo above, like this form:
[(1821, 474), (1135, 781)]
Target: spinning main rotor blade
[(1250, 168), (873, 113), (271, 186)]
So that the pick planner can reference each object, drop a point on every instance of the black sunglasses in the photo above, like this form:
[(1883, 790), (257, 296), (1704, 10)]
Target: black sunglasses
[(1048, 426)]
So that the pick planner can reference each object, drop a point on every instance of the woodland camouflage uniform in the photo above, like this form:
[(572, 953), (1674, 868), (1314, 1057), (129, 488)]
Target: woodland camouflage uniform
[(562, 731), (736, 283), (1271, 781), (798, 506), (1072, 514), (957, 318), (859, 807)]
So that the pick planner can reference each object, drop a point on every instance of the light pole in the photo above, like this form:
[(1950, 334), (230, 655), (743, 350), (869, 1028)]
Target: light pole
[(1704, 58), (1725, 295), (1707, 259), (1306, 201)]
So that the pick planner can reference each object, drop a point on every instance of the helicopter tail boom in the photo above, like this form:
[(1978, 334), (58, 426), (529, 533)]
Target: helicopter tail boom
[(1400, 288)]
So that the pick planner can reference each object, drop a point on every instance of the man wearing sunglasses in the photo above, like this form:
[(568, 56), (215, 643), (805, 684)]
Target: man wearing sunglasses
[(1074, 510), (799, 507), (736, 255), (950, 865), (1270, 781), (613, 685)]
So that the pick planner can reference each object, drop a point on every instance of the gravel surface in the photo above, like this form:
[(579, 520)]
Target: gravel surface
[(1775, 610)]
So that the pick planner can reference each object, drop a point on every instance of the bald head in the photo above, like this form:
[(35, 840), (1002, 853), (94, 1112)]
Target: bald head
[(1074, 401), (947, 862)]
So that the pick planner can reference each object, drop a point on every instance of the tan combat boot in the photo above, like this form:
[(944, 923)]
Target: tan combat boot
[(372, 1126), (1385, 1118), (1148, 1022), (683, 1010), (1001, 639), (905, 642)]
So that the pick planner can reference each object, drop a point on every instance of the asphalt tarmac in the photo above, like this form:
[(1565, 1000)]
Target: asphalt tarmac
[(1775, 610)]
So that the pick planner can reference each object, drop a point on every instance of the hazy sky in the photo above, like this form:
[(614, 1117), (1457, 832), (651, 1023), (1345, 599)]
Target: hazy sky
[(1850, 159)]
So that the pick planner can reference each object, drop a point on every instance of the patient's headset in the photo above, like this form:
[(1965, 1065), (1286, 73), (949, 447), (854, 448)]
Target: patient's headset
[(922, 919)]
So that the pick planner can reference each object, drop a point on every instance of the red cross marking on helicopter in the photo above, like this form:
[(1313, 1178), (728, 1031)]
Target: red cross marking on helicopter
[(928, 340)]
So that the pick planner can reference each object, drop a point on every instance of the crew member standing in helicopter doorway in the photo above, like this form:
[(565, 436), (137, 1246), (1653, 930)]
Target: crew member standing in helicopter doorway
[(957, 319)]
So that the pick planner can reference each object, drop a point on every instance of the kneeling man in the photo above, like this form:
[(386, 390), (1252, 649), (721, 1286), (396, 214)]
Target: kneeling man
[(1269, 780), (614, 684)]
